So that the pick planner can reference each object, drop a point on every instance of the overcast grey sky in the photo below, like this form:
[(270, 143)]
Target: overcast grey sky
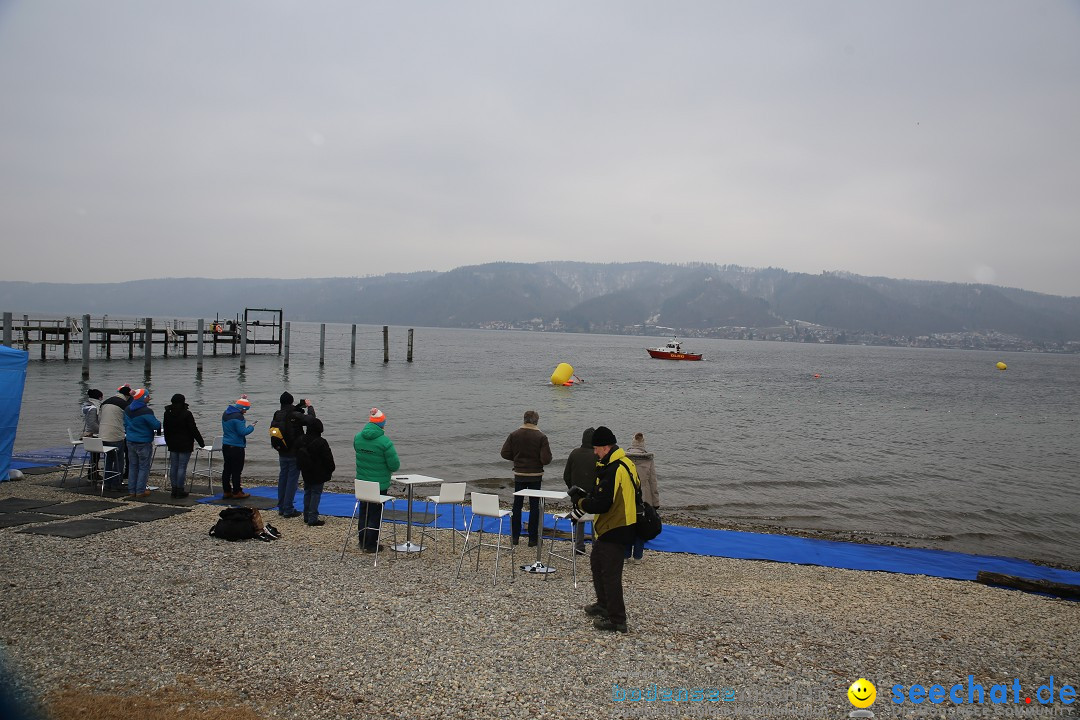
[(932, 140)]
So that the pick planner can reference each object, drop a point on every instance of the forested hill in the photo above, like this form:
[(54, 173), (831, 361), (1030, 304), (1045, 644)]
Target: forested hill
[(694, 299)]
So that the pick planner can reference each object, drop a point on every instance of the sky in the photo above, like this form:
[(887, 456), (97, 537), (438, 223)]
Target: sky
[(261, 138)]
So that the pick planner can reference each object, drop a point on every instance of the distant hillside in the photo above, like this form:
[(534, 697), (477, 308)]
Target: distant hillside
[(695, 299)]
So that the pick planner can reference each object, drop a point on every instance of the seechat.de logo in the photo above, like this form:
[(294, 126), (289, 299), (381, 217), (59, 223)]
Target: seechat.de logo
[(862, 694)]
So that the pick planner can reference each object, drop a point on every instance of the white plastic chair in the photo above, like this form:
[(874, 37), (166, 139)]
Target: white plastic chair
[(572, 557), (207, 451), (452, 494), (95, 445), (76, 443), (368, 492), (486, 505)]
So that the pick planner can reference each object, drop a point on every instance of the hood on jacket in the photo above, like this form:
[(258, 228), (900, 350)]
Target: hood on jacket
[(586, 438), (371, 431), (315, 427), (136, 405), (234, 409)]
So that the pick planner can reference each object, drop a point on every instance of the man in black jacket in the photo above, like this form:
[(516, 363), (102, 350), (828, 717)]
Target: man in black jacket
[(316, 462), (181, 434), (290, 421), (580, 472), (613, 500)]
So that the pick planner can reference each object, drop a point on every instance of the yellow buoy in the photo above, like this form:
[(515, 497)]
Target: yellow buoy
[(1002, 366), (562, 373)]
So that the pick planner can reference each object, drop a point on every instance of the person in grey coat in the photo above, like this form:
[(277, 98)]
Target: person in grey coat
[(643, 461), (580, 471)]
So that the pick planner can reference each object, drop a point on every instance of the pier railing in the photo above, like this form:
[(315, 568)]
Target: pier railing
[(56, 337)]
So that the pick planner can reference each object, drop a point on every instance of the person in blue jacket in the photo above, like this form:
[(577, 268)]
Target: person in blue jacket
[(234, 432), (140, 425)]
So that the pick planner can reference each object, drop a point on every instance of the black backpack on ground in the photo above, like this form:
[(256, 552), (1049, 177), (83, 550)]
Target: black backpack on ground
[(238, 523)]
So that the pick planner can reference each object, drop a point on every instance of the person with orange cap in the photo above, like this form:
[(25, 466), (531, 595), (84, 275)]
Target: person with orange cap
[(234, 432), (376, 461), (140, 426)]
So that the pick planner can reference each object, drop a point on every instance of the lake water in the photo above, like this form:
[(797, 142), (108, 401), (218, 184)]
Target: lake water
[(937, 447)]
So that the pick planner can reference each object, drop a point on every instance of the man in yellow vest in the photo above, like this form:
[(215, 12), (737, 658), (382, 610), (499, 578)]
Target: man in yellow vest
[(614, 503)]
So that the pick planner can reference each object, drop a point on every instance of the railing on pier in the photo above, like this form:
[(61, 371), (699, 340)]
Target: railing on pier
[(106, 334)]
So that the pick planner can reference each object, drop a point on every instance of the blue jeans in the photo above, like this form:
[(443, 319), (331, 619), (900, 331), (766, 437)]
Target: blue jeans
[(312, 496), (139, 469), (287, 480), (178, 462), (637, 548)]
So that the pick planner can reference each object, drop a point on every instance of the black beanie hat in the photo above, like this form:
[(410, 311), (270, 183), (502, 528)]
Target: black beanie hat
[(286, 398), (95, 393), (177, 399), (603, 436)]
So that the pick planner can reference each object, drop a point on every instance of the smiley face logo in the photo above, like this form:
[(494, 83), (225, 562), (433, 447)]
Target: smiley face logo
[(862, 693)]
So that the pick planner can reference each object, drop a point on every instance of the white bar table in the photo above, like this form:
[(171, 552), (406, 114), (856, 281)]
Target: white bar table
[(539, 567), (408, 481)]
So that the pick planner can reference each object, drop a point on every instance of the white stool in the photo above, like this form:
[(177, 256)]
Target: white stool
[(452, 494), (486, 505), (366, 491), (556, 517), (95, 445)]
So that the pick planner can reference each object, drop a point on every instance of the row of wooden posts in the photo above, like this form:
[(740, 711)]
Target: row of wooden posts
[(61, 335)]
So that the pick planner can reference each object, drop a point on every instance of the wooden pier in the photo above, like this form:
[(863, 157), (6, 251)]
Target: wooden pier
[(119, 337)]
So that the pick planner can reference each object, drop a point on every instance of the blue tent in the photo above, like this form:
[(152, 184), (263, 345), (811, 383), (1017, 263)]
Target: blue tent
[(12, 380)]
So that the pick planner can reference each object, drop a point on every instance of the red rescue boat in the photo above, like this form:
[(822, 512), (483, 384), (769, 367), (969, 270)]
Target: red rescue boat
[(673, 351)]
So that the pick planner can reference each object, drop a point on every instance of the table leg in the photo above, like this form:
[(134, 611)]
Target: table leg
[(408, 545), (538, 567)]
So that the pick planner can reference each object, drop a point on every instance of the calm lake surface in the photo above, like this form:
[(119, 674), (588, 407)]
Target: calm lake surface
[(936, 447)]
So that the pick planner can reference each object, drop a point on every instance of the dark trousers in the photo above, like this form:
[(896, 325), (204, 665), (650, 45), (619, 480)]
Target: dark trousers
[(525, 483), (607, 566), (312, 496), (233, 464), (115, 462), (370, 514)]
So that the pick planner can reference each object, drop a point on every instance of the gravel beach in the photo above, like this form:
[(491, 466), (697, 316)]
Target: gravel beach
[(288, 630)]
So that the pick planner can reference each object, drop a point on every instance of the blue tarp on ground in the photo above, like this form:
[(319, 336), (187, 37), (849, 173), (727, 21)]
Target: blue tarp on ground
[(45, 457), (12, 381), (761, 546)]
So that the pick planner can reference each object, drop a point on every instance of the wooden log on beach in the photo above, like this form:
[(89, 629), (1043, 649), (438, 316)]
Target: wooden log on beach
[(1064, 590)]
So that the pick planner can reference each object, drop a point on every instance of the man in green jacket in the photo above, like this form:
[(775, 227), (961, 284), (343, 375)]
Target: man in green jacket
[(376, 461)]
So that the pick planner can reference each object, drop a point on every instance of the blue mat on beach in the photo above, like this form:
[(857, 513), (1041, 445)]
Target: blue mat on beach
[(758, 546), (46, 457)]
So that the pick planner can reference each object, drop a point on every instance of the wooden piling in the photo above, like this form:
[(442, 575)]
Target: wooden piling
[(408, 355), (7, 329), (322, 344), (67, 339), (85, 347), (288, 327), (148, 339), (199, 347), (243, 344), (386, 343), (26, 333), (353, 360)]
